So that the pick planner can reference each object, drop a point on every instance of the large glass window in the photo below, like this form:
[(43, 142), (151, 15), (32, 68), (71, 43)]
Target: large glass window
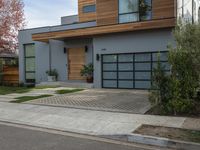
[(29, 53), (134, 10), (89, 8)]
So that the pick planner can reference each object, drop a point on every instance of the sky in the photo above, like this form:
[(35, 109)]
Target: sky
[(40, 13)]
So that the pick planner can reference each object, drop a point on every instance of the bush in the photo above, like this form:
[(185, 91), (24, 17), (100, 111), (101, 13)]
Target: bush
[(52, 73), (179, 92), (180, 106)]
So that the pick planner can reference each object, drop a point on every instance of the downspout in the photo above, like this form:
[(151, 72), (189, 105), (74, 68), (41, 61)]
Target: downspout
[(192, 11), (50, 59), (182, 8), (50, 66)]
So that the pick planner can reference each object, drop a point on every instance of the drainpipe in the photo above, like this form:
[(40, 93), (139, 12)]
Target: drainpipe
[(50, 66), (192, 11), (50, 58), (182, 8)]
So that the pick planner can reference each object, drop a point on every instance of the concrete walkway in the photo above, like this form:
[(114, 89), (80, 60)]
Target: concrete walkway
[(87, 121)]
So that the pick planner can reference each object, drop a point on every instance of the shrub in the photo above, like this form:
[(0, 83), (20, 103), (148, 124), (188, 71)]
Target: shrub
[(52, 73), (87, 70), (179, 92), (180, 106)]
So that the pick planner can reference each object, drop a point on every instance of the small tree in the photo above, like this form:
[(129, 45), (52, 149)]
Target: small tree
[(177, 92), (11, 20), (185, 58)]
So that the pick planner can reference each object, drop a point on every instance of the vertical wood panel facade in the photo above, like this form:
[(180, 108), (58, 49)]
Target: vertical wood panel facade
[(84, 17), (107, 12), (163, 9)]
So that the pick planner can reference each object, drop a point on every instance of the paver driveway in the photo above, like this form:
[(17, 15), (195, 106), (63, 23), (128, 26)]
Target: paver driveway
[(129, 101)]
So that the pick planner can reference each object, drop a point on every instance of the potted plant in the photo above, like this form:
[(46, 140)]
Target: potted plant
[(87, 71), (52, 75)]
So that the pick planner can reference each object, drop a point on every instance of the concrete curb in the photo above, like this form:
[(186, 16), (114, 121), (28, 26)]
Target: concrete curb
[(155, 141), (163, 142)]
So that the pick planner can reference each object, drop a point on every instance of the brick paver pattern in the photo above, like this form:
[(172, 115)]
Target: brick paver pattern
[(110, 100)]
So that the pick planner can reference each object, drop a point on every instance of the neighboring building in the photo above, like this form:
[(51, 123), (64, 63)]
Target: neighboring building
[(8, 58), (120, 37), (189, 10)]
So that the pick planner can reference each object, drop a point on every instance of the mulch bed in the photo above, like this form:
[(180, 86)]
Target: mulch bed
[(171, 133)]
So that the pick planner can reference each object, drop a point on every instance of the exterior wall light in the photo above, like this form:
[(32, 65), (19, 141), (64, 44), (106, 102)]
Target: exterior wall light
[(97, 57)]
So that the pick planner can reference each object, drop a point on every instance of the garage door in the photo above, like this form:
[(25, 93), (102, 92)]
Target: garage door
[(132, 71)]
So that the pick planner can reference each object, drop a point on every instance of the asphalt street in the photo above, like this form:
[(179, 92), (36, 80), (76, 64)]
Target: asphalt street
[(19, 138)]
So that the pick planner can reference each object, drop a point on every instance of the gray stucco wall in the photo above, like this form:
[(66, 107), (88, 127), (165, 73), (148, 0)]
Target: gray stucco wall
[(42, 61), (42, 53), (131, 42)]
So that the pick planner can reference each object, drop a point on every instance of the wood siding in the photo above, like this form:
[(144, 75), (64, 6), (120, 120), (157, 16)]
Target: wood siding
[(84, 17), (76, 60), (107, 12), (163, 9), (10, 75), (99, 30)]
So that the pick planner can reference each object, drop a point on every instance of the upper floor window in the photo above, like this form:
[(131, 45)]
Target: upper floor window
[(89, 8), (134, 10)]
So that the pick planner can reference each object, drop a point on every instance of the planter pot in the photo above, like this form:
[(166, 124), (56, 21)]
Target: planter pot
[(89, 79), (51, 78)]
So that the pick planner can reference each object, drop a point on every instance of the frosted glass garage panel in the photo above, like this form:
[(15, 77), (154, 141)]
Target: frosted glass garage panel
[(125, 66), (161, 56), (143, 66), (125, 84), (109, 58), (125, 75), (110, 83), (142, 75), (109, 67), (165, 65), (125, 58), (110, 75), (142, 84), (142, 57)]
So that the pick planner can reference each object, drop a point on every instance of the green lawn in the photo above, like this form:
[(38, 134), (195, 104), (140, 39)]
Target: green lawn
[(9, 90), (66, 91), (45, 87), (28, 98)]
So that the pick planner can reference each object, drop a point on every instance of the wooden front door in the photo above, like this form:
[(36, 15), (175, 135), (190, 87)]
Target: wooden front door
[(76, 60)]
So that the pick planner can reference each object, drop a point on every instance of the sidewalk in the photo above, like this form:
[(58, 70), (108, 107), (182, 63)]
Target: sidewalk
[(87, 121)]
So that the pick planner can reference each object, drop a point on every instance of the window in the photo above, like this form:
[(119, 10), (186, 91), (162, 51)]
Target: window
[(89, 8), (199, 15), (134, 10), (29, 60), (145, 10), (128, 11)]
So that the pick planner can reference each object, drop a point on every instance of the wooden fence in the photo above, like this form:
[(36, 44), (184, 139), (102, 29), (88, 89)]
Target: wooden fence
[(10, 75)]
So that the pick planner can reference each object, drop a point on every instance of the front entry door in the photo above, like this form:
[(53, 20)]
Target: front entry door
[(76, 60)]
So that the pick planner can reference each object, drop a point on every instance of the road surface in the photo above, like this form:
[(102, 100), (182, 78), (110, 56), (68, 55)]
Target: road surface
[(15, 137)]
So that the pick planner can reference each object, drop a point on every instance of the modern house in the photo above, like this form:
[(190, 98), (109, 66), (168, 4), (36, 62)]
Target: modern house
[(121, 38)]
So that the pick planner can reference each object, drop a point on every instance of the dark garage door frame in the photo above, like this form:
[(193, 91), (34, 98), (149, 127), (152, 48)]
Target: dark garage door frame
[(116, 61)]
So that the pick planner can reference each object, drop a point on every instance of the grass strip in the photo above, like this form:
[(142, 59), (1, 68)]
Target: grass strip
[(4, 90), (67, 91), (28, 98)]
